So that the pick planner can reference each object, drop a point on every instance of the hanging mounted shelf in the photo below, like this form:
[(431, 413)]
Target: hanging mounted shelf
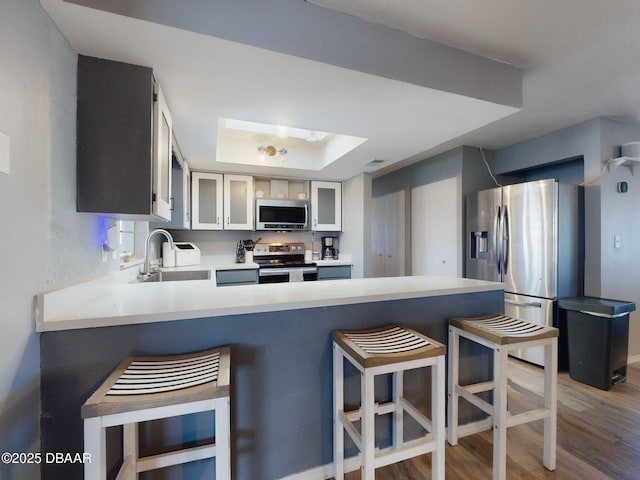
[(630, 162)]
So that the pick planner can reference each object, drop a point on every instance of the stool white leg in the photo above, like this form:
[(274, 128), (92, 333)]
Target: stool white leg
[(130, 448), (338, 406), (398, 413), (223, 450), (437, 418), (368, 425), (95, 443), (500, 356), (550, 402), (452, 397)]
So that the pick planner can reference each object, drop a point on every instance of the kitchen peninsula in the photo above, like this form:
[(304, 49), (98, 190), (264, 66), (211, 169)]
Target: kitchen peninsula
[(280, 338)]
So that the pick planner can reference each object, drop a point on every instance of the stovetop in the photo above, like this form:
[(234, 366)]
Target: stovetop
[(278, 263)]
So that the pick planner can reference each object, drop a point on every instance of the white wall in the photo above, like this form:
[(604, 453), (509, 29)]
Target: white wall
[(44, 243), (356, 223)]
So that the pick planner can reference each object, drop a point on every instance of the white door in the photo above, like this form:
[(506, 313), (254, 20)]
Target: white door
[(434, 228), (388, 235)]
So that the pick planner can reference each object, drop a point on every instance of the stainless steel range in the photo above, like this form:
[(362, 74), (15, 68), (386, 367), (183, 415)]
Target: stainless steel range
[(283, 262)]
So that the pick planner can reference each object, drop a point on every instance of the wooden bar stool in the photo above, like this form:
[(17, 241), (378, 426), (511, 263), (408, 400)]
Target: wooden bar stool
[(390, 349), (502, 334), (150, 388)]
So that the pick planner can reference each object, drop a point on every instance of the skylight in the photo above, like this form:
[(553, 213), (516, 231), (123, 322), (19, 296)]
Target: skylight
[(266, 145)]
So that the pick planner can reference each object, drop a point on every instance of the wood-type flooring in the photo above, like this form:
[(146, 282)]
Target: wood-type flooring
[(598, 436)]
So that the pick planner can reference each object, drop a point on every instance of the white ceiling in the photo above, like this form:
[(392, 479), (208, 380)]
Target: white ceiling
[(580, 59)]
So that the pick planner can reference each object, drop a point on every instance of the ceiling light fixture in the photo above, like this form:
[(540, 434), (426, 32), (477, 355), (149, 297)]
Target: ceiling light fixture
[(270, 151)]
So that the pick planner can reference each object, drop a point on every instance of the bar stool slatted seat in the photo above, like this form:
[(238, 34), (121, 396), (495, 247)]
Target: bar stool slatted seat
[(390, 349), (503, 334), (149, 388)]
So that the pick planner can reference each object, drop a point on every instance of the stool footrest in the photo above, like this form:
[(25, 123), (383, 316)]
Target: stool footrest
[(475, 427), (410, 449), (526, 417), (350, 428), (127, 470), (378, 409), (386, 409), (474, 399), (416, 414), (176, 457)]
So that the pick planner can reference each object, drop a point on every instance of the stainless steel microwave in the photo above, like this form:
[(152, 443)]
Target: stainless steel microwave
[(275, 214)]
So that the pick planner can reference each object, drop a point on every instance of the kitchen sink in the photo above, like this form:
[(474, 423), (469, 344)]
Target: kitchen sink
[(178, 275)]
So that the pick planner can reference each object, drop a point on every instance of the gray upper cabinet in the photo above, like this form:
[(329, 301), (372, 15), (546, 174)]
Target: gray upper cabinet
[(326, 206), (124, 136)]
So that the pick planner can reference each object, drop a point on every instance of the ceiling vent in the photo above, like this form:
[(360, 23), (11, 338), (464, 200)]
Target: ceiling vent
[(374, 163)]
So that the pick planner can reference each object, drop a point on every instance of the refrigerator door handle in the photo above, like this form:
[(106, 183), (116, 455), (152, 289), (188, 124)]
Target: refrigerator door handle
[(497, 241), (524, 304), (505, 239)]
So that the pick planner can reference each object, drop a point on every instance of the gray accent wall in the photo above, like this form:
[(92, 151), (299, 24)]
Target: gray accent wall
[(44, 243), (609, 272), (305, 30), (575, 154), (281, 381), (464, 162)]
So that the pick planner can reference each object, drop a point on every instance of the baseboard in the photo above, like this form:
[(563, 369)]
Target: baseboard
[(324, 472), (633, 359)]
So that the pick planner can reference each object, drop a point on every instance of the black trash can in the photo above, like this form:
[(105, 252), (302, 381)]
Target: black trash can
[(598, 339)]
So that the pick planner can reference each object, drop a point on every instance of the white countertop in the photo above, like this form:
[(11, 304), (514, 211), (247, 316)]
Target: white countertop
[(116, 300)]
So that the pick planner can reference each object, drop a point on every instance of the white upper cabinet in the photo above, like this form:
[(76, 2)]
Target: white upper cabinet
[(326, 206), (161, 155), (206, 201), (180, 194), (238, 202)]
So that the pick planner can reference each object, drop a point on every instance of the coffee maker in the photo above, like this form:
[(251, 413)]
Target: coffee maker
[(329, 250)]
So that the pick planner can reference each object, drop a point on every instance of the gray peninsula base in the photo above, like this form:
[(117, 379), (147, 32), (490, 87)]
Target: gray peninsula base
[(281, 409)]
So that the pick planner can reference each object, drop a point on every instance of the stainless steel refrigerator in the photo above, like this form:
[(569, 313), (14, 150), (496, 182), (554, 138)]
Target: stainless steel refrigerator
[(527, 235)]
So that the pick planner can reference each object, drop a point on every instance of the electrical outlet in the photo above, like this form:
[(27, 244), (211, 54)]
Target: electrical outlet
[(616, 241)]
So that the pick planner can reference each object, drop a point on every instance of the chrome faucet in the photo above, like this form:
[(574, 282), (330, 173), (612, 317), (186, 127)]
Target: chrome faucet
[(146, 273)]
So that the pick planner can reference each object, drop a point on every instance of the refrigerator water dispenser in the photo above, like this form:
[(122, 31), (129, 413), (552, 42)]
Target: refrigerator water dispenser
[(479, 245)]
